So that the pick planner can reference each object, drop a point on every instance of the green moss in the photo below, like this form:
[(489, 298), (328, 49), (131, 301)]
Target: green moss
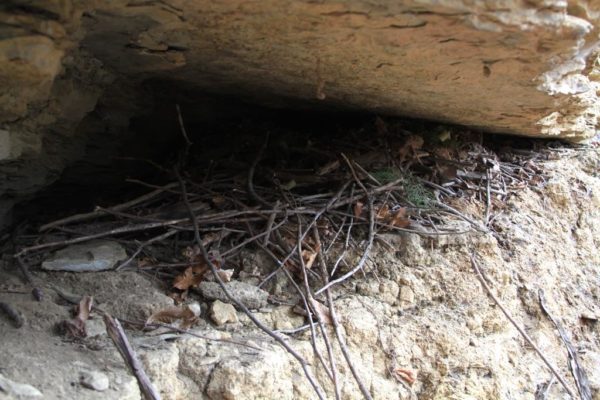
[(414, 191)]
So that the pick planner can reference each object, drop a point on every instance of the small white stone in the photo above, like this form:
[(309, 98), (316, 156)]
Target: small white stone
[(222, 313), (95, 380), (98, 255)]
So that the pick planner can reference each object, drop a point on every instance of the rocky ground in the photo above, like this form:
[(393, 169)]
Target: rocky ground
[(418, 324)]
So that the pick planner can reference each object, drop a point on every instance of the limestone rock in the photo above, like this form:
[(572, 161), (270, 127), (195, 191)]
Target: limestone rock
[(92, 256), (19, 390), (520, 67), (94, 380), (222, 313), (251, 296)]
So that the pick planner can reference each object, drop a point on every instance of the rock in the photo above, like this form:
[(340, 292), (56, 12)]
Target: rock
[(222, 313), (93, 256), (406, 297), (251, 296), (18, 389), (94, 380), (520, 67)]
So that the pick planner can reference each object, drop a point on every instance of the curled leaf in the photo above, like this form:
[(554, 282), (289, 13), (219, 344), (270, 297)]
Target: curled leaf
[(184, 316)]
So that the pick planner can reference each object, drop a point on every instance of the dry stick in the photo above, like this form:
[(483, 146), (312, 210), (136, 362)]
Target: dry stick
[(334, 320), (322, 211), (143, 245), (370, 239), (98, 212), (253, 238), (488, 199), (188, 332), (251, 171), (579, 374), (521, 331), (454, 211), (270, 223), (37, 293), (239, 304), (116, 333), (309, 305), (116, 231)]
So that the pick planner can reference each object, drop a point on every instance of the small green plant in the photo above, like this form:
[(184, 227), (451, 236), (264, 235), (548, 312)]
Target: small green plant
[(414, 191), (387, 175)]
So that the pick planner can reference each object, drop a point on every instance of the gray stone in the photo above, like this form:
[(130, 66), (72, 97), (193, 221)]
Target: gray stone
[(222, 313), (251, 296), (97, 255), (18, 389), (94, 380)]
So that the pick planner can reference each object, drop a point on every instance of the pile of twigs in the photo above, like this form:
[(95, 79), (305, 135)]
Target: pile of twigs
[(307, 221)]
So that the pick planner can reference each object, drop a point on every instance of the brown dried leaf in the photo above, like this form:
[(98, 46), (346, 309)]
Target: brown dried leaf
[(191, 277), (400, 219), (322, 310), (309, 258), (84, 308), (178, 297), (383, 213), (410, 147), (75, 328), (358, 209), (447, 172), (186, 316), (405, 375)]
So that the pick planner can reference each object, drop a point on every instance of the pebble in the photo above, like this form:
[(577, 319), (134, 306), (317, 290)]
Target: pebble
[(222, 313), (94, 380)]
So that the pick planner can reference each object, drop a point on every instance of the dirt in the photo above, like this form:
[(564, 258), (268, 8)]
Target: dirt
[(419, 309)]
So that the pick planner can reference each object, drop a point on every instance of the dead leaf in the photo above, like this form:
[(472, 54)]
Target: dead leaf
[(410, 147), (447, 172), (400, 219), (75, 328), (225, 274), (322, 310), (185, 316), (309, 258), (405, 375), (319, 308), (178, 297), (358, 209), (84, 308), (383, 213), (191, 277)]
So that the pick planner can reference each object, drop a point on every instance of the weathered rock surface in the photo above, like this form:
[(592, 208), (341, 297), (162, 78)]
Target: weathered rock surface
[(251, 296), (522, 67), (97, 255)]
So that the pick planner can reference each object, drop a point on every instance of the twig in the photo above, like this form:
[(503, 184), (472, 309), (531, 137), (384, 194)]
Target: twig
[(579, 374), (454, 211), (119, 338), (314, 383), (521, 331), (116, 231), (97, 213), (310, 308), (334, 319), (251, 191), (142, 246)]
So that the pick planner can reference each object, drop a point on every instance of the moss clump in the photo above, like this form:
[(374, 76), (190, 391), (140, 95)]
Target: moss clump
[(414, 191)]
